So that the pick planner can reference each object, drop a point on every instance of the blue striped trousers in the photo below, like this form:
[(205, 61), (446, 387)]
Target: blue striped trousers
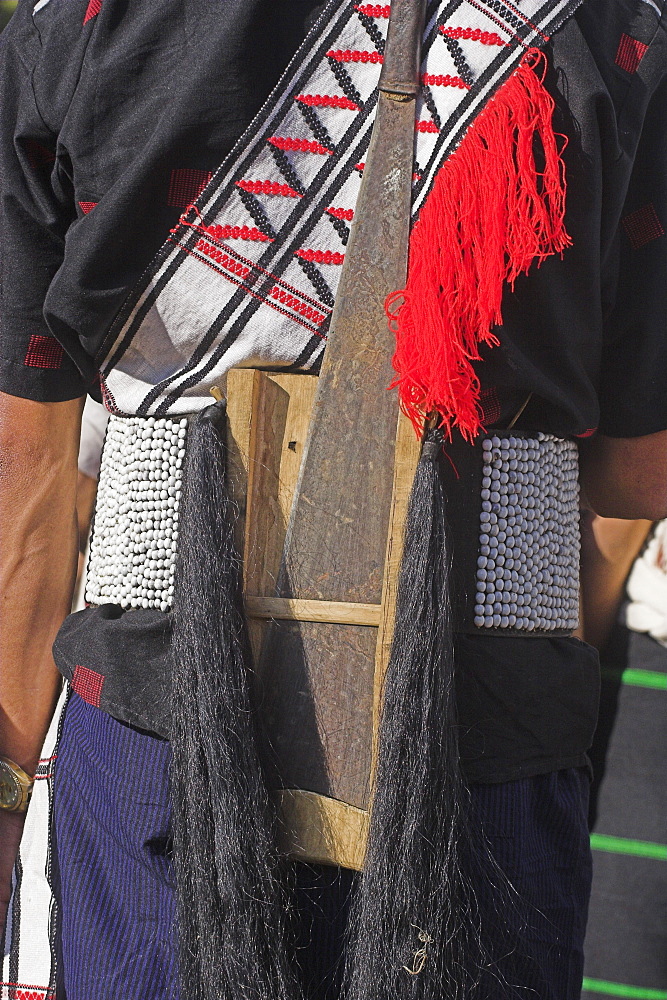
[(112, 821)]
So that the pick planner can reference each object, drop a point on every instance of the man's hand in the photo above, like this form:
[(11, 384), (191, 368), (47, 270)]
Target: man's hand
[(626, 477), (38, 550)]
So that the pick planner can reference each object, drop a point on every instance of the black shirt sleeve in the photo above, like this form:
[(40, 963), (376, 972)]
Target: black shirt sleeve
[(36, 209), (633, 381)]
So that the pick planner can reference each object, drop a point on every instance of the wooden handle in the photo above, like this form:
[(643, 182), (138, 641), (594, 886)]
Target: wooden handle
[(402, 56)]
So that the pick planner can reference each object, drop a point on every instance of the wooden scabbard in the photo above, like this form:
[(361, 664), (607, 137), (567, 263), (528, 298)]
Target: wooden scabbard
[(331, 613)]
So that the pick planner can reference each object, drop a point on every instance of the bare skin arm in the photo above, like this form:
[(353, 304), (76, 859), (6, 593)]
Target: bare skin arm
[(626, 477), (609, 546), (38, 556)]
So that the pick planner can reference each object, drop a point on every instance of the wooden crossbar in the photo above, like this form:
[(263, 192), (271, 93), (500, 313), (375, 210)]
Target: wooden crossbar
[(332, 612)]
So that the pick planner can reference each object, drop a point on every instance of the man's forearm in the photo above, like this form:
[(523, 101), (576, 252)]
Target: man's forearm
[(38, 549), (626, 477), (609, 548)]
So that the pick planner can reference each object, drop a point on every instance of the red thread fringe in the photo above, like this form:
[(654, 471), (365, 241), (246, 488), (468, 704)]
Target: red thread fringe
[(490, 215)]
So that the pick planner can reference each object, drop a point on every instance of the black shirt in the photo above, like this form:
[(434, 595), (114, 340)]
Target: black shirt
[(129, 110)]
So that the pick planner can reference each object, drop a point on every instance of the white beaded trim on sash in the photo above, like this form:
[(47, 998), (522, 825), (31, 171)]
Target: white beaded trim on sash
[(133, 547), (527, 568)]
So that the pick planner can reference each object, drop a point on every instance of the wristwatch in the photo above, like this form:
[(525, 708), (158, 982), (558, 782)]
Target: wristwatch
[(15, 786)]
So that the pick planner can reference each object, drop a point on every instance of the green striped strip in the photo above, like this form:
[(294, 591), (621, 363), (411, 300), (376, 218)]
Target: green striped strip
[(621, 845), (621, 990), (638, 678)]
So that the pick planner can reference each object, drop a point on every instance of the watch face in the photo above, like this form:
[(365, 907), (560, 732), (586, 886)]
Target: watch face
[(10, 789)]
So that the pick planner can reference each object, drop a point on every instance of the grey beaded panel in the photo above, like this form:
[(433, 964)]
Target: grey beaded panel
[(528, 561), (133, 548)]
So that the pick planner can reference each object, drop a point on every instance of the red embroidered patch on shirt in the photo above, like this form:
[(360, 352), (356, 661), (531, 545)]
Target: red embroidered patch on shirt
[(642, 226), (43, 352), (630, 53), (87, 206), (93, 9), (490, 404), (88, 685), (185, 186)]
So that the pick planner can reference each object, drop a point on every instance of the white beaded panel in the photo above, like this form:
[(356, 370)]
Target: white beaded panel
[(528, 562), (133, 548)]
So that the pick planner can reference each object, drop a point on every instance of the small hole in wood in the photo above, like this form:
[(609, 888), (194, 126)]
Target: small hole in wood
[(292, 446)]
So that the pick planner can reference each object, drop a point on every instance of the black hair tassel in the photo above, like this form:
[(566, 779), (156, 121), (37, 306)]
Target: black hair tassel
[(232, 940), (414, 930)]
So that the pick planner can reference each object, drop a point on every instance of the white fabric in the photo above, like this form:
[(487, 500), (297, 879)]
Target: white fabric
[(646, 610), (29, 959), (93, 426)]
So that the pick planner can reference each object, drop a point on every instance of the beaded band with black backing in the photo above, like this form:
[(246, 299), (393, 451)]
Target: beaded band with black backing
[(513, 511), (512, 506), (133, 544)]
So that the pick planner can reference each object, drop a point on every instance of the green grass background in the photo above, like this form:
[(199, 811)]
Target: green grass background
[(7, 8)]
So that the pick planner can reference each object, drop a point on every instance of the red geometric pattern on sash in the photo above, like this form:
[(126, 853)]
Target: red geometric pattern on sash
[(426, 126), (444, 80), (630, 53), (268, 187), (374, 10), (642, 226), (186, 185), (327, 101), (21, 991), (222, 232), (299, 145), (354, 55), (341, 213), (321, 256), (93, 9), (43, 352), (88, 685), (473, 35)]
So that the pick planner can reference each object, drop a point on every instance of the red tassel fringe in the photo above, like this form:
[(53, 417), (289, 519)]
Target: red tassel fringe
[(490, 215)]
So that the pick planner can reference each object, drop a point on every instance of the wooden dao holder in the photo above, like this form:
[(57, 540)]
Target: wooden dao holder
[(327, 469)]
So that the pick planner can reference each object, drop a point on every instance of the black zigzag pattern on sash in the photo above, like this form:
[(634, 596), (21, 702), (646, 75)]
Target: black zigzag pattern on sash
[(430, 104), (373, 31), (317, 280), (507, 15), (341, 228), (357, 152), (462, 67), (316, 126), (286, 169), (314, 344), (344, 80), (259, 216)]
